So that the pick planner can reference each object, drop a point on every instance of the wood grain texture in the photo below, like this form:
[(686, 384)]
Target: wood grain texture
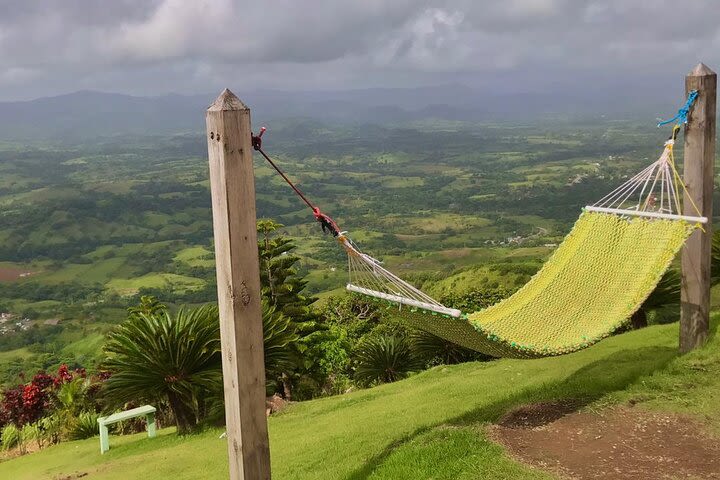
[(232, 186), (699, 168)]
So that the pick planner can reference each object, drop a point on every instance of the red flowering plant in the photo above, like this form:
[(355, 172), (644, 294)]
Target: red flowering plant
[(29, 402), (63, 375), (26, 403)]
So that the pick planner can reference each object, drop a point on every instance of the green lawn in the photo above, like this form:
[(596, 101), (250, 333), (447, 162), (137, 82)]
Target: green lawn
[(429, 426)]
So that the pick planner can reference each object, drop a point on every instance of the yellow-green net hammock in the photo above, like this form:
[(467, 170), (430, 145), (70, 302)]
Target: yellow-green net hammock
[(606, 267), (595, 280)]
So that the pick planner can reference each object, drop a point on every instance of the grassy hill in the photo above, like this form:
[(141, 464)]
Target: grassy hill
[(429, 426)]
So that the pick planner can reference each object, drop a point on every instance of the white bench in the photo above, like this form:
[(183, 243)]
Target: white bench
[(147, 411)]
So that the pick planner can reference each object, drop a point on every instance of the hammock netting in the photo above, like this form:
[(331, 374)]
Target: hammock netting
[(595, 280)]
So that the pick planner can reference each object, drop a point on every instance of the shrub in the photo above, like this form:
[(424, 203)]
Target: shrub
[(278, 337), (51, 428), (11, 437), (83, 426), (154, 356), (28, 433), (385, 358), (27, 403), (48, 407)]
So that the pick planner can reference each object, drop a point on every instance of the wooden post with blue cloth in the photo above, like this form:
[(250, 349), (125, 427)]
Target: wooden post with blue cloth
[(699, 177)]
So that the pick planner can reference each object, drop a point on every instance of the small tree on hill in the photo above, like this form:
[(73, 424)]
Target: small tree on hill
[(149, 305), (279, 278), (282, 287)]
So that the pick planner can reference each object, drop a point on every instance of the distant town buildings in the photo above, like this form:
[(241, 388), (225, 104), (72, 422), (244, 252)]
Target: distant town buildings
[(9, 322)]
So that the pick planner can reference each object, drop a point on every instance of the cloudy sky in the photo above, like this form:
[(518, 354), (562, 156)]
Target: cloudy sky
[(151, 47)]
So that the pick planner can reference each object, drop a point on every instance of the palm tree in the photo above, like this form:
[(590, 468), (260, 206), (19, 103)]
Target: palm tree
[(155, 356), (279, 340), (384, 359)]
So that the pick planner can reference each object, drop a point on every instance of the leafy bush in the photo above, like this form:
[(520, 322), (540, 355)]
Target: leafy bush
[(76, 409), (28, 433), (49, 407), (327, 363), (11, 437), (28, 402), (356, 315), (51, 428), (84, 426), (278, 338), (385, 358)]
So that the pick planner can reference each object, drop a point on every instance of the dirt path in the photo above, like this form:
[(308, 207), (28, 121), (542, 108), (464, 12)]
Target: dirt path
[(622, 443)]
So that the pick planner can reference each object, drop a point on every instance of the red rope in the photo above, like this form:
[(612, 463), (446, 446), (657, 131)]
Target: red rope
[(292, 185), (325, 220)]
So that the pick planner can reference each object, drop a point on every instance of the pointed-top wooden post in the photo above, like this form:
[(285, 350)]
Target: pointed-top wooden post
[(232, 185), (699, 176)]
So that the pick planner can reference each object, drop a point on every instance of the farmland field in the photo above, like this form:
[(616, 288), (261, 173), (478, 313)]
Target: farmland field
[(10, 272)]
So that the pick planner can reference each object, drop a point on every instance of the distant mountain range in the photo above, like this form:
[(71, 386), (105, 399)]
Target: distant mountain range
[(87, 114)]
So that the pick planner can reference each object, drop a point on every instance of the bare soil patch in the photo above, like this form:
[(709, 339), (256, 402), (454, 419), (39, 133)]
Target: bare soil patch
[(72, 476), (620, 443), (12, 274)]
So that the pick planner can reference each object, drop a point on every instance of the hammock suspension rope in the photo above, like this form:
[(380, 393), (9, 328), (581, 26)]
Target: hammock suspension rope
[(363, 269)]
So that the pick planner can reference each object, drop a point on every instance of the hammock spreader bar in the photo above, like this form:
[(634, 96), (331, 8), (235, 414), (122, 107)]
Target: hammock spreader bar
[(641, 213), (453, 312)]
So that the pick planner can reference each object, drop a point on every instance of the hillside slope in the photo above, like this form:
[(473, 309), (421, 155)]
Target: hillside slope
[(429, 426)]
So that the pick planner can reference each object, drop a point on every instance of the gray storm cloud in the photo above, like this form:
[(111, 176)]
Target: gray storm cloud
[(188, 46)]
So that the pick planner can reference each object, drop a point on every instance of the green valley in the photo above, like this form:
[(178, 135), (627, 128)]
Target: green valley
[(89, 227)]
